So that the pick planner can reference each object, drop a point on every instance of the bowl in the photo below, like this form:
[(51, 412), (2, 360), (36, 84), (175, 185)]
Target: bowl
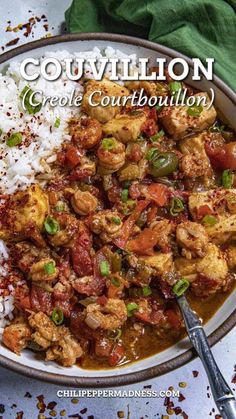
[(223, 320)]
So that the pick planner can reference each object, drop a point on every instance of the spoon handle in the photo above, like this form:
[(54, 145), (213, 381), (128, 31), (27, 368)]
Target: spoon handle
[(223, 396)]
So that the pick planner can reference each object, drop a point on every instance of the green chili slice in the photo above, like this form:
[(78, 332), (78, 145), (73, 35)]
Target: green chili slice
[(174, 87), (146, 291), (131, 307), (51, 225), (14, 139), (227, 179), (104, 268), (176, 206), (49, 268), (195, 110), (180, 287), (209, 220), (57, 316)]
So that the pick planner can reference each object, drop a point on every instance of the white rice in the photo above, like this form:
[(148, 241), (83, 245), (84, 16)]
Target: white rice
[(20, 165)]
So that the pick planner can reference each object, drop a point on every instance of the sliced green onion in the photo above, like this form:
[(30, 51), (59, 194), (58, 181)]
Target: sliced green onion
[(195, 110), (116, 220), (174, 87), (227, 179), (57, 123), (118, 335), (180, 287), (57, 316), (49, 268), (176, 206), (108, 143), (126, 184), (147, 291), (209, 220), (124, 195), (131, 307), (104, 268), (217, 128), (115, 282), (157, 136), (152, 153), (158, 108), (35, 107), (14, 139), (60, 206), (51, 225)]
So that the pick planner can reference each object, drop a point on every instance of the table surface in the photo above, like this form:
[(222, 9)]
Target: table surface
[(19, 394)]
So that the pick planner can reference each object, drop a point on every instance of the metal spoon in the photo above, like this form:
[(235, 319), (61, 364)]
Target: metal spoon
[(223, 396)]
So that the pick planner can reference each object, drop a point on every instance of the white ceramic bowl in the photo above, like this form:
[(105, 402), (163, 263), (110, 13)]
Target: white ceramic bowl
[(225, 317)]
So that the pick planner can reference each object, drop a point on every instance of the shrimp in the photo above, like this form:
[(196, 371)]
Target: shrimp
[(68, 225), (109, 316), (45, 331), (83, 202), (17, 335), (111, 154), (65, 351), (107, 224), (193, 239), (86, 132), (44, 270)]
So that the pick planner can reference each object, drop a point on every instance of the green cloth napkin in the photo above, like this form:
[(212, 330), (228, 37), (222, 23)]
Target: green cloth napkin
[(197, 28)]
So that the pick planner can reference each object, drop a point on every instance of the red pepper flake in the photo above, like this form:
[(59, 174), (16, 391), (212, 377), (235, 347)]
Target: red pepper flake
[(19, 415), (12, 42), (233, 381), (185, 416), (177, 410), (181, 397), (2, 408), (51, 405), (76, 416), (195, 373), (218, 417), (83, 411), (149, 386), (90, 417), (46, 27)]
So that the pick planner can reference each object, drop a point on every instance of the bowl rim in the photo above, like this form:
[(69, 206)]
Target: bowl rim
[(188, 355)]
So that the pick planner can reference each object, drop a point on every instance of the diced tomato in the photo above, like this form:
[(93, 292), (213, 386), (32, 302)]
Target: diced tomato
[(128, 225), (157, 193), (143, 244), (203, 210), (116, 355), (78, 174), (173, 318), (70, 156), (102, 300), (81, 253), (222, 157)]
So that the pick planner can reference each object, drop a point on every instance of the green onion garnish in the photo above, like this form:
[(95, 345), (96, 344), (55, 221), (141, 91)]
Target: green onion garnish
[(180, 287), (176, 206), (118, 335), (157, 136), (35, 107), (126, 184), (60, 206), (151, 154), (174, 87), (115, 282), (14, 139), (195, 110), (57, 123), (104, 268), (131, 307), (51, 225), (57, 316), (146, 291), (217, 128), (158, 108), (124, 195), (49, 268), (108, 143), (116, 220), (209, 220), (227, 179)]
